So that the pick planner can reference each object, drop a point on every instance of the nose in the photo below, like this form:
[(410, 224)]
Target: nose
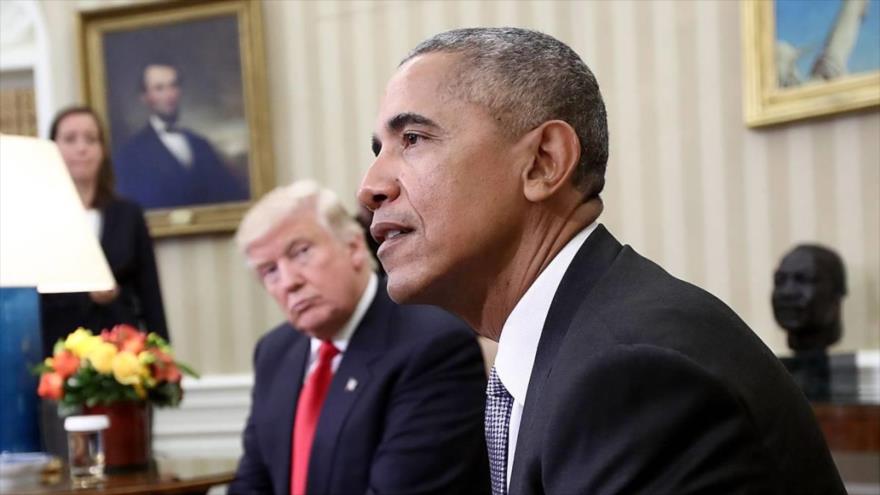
[(786, 289), (80, 146), (380, 184), (291, 279)]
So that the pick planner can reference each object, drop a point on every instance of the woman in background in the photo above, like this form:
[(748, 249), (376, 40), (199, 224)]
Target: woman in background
[(120, 226)]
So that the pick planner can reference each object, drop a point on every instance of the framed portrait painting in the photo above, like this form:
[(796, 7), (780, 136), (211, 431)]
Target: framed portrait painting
[(181, 88), (807, 58)]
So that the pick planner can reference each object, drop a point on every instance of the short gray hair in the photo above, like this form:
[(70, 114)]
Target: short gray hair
[(304, 196), (526, 78)]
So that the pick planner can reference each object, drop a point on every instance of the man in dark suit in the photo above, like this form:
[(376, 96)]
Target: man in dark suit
[(167, 166), (355, 394), (612, 376)]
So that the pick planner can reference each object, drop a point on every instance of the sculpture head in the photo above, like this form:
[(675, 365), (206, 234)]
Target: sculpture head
[(807, 291)]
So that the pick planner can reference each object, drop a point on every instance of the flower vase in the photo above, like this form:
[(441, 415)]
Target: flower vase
[(128, 442)]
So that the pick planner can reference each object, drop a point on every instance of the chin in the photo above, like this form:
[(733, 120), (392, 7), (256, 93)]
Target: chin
[(409, 290), (401, 293)]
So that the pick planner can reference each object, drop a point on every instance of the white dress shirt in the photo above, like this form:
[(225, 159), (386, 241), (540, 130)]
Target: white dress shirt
[(522, 332), (344, 336), (175, 141), (95, 221)]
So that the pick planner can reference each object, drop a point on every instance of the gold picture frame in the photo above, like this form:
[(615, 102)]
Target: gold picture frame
[(213, 51), (766, 103)]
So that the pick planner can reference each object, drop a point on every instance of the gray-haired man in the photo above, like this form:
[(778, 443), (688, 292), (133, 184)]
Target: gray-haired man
[(611, 376)]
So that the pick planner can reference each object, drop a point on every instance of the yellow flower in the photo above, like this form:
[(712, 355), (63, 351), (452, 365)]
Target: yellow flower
[(101, 356), (127, 369), (81, 342), (146, 357), (49, 362)]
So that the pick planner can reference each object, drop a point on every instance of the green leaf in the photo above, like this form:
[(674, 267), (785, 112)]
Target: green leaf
[(153, 340), (186, 369)]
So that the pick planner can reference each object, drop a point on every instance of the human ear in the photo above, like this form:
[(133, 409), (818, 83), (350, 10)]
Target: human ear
[(556, 152)]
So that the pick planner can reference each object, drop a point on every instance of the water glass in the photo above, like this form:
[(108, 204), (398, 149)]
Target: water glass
[(85, 446)]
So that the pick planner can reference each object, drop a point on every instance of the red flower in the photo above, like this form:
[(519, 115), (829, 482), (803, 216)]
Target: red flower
[(51, 386), (65, 363), (126, 338), (164, 368)]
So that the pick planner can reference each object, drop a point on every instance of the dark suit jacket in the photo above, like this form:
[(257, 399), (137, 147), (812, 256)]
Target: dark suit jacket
[(644, 384), (413, 424), (147, 172), (126, 243)]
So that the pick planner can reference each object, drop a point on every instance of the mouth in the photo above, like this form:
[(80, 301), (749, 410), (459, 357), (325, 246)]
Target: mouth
[(388, 231), (789, 307), (302, 305), (789, 314)]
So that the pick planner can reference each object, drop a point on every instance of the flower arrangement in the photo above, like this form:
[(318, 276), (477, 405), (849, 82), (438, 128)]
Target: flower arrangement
[(121, 364)]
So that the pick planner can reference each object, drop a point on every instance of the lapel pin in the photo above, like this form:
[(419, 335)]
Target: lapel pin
[(350, 385)]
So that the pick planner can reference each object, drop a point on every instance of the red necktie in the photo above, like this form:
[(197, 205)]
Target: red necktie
[(307, 412)]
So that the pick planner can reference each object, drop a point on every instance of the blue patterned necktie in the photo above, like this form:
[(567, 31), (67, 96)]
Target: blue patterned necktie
[(499, 403)]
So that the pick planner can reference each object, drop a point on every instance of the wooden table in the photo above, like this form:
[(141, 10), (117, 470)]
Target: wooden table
[(168, 476), (850, 427), (853, 434)]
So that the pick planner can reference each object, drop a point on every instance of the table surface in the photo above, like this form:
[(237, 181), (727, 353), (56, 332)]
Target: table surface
[(850, 427), (169, 476)]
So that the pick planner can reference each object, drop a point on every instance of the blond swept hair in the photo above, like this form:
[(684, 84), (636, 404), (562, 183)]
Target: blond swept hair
[(298, 197)]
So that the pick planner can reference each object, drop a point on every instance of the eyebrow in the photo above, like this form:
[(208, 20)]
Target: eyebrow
[(398, 122), (287, 248), (401, 120)]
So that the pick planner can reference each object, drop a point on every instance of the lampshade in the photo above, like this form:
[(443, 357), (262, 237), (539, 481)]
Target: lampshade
[(45, 238)]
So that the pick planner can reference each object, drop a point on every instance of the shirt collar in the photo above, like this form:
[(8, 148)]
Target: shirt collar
[(521, 332), (159, 125), (340, 341)]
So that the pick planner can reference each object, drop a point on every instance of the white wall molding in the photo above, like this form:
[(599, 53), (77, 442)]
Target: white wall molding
[(209, 421)]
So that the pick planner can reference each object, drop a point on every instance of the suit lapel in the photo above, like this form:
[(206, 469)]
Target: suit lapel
[(353, 375), (164, 159), (282, 406), (587, 267)]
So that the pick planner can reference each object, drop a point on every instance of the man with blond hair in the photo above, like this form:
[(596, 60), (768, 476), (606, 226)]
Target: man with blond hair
[(354, 394)]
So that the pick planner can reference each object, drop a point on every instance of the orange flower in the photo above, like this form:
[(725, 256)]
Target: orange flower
[(51, 386), (135, 344), (169, 373), (65, 363)]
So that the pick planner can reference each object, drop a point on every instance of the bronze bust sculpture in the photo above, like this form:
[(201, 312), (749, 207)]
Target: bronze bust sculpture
[(807, 292), (808, 288)]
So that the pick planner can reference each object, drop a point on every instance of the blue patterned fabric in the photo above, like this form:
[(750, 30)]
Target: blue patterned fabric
[(499, 403)]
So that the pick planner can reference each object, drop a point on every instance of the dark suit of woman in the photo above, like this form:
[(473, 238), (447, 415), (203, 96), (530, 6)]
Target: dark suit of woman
[(129, 251)]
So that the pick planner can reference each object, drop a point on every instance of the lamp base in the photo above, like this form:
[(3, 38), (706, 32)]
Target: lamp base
[(20, 350)]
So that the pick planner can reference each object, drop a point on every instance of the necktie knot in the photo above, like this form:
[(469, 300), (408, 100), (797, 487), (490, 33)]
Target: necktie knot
[(327, 351), (494, 387)]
